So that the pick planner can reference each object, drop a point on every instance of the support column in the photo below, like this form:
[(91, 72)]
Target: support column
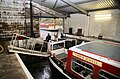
[(63, 25), (31, 19)]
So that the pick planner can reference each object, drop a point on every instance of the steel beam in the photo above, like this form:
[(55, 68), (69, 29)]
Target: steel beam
[(77, 3), (48, 12), (55, 4), (42, 3), (43, 10), (75, 6), (47, 17), (31, 18)]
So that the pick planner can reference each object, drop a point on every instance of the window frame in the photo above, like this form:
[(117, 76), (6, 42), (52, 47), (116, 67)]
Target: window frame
[(107, 73), (82, 66), (59, 46)]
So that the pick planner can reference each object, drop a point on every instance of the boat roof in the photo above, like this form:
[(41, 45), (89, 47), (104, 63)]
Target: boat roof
[(52, 42), (49, 30), (105, 49)]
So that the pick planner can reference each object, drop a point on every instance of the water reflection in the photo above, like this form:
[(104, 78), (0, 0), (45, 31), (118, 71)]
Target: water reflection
[(37, 66), (41, 69)]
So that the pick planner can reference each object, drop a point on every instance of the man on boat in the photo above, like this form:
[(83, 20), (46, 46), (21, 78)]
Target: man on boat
[(48, 37), (56, 37), (62, 36)]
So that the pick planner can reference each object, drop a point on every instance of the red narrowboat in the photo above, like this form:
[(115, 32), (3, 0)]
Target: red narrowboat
[(91, 60)]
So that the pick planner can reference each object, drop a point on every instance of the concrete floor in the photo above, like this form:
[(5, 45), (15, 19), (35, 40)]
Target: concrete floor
[(9, 65)]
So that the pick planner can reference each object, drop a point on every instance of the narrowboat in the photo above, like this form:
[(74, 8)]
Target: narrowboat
[(91, 60)]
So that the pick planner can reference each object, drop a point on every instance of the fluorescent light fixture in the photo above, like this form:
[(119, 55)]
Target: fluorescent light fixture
[(102, 15)]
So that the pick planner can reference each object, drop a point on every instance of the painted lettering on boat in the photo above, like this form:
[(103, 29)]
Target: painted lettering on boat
[(87, 59)]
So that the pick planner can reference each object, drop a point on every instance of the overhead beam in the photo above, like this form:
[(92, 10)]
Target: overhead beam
[(47, 17), (77, 3), (102, 9), (41, 3), (55, 4), (75, 6), (43, 10), (52, 15)]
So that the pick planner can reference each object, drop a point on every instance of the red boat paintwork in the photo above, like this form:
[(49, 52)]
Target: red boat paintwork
[(105, 66)]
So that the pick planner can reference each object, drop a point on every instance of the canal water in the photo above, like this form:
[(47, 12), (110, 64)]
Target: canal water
[(38, 66)]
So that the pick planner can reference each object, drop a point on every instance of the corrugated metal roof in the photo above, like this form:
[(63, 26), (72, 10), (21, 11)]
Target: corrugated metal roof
[(99, 5), (79, 6)]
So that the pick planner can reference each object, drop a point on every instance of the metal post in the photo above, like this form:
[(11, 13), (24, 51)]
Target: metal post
[(88, 25), (25, 24), (63, 25), (31, 18)]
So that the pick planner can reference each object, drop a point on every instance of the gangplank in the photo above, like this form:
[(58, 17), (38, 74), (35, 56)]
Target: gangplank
[(26, 45)]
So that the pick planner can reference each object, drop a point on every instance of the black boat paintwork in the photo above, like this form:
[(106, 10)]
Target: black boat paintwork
[(56, 74)]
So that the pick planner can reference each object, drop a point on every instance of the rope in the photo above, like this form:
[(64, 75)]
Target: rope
[(2, 49)]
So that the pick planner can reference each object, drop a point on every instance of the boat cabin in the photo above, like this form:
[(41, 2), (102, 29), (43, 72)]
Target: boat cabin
[(94, 60), (57, 48)]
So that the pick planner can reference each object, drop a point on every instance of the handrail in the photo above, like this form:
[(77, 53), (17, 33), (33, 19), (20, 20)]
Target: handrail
[(24, 43)]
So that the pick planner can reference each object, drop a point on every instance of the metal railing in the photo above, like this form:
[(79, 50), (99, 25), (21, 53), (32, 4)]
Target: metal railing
[(25, 43)]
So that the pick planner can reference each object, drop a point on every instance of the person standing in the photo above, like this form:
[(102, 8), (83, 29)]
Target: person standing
[(56, 37), (48, 37), (62, 36)]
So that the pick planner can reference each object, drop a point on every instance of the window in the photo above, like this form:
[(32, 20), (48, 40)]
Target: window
[(106, 75), (82, 68), (58, 46)]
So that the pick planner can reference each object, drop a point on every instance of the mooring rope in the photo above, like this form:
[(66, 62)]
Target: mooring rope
[(2, 49)]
